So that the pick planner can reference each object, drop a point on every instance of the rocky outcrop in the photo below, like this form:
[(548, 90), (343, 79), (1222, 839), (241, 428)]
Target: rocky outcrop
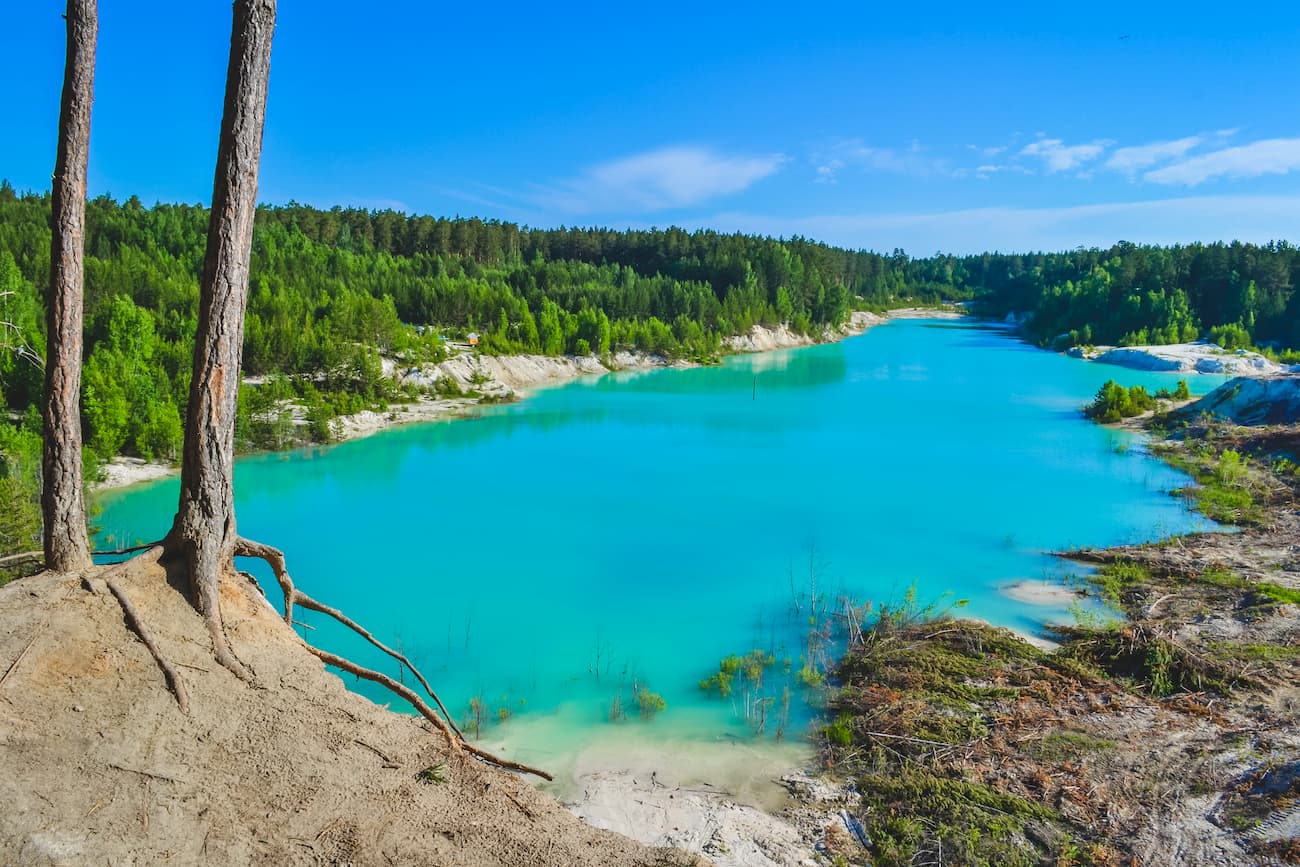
[(1251, 401)]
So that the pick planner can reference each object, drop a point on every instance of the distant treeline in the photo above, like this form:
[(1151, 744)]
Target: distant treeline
[(331, 289), (1236, 294)]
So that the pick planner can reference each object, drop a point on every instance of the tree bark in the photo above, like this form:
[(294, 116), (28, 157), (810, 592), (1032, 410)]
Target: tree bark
[(204, 530), (63, 505), (63, 499)]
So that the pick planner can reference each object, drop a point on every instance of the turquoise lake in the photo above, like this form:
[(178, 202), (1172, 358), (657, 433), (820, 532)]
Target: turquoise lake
[(640, 526)]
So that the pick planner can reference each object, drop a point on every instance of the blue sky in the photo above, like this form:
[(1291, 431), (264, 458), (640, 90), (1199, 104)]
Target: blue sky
[(924, 125)]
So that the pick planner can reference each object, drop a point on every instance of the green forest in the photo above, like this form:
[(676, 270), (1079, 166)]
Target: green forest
[(1237, 295), (330, 290), (333, 290)]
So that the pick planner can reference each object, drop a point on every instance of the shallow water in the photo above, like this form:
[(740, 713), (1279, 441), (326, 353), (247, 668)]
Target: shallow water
[(638, 527)]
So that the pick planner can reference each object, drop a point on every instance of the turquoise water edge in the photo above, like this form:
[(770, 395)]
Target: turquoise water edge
[(637, 527)]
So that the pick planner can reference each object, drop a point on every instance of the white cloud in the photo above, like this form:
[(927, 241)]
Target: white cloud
[(1163, 221), (986, 171), (854, 152), (1131, 160), (1060, 157), (1268, 157), (826, 172), (671, 177)]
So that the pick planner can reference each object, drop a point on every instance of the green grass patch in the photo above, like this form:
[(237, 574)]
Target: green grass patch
[(910, 814), (1225, 488), (1149, 659), (1115, 581), (1067, 745), (1278, 593), (915, 695)]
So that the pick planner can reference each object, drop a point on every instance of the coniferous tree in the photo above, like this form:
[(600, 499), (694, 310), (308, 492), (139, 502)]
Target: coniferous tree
[(203, 533), (63, 508)]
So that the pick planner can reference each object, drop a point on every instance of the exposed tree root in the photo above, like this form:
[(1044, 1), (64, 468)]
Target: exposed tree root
[(137, 624), (152, 554), (292, 596), (494, 759), (207, 599), (404, 691), (456, 743)]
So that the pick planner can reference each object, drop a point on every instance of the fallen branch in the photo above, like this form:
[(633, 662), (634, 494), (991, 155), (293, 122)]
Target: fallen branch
[(24, 557), (150, 774), (137, 624), (456, 743), (376, 750), (13, 665), (1151, 609), (911, 739)]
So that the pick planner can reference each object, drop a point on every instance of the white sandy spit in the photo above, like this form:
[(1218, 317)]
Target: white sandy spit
[(1041, 592), (1183, 358)]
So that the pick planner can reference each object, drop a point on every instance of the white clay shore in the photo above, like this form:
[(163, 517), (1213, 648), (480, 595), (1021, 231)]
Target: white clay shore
[(1189, 358), (741, 802)]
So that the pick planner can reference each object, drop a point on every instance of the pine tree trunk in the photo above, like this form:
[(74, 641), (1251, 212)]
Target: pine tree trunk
[(204, 531), (63, 506)]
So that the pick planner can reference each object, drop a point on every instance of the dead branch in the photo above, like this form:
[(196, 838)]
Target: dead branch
[(274, 558), (13, 665), (150, 774), (383, 755), (456, 743), (527, 812), (1151, 609), (137, 624), (133, 549), (911, 739), (11, 339), (24, 557)]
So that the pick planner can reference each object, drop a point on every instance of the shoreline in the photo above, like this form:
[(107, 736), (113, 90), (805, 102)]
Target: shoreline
[(507, 378), (650, 802)]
